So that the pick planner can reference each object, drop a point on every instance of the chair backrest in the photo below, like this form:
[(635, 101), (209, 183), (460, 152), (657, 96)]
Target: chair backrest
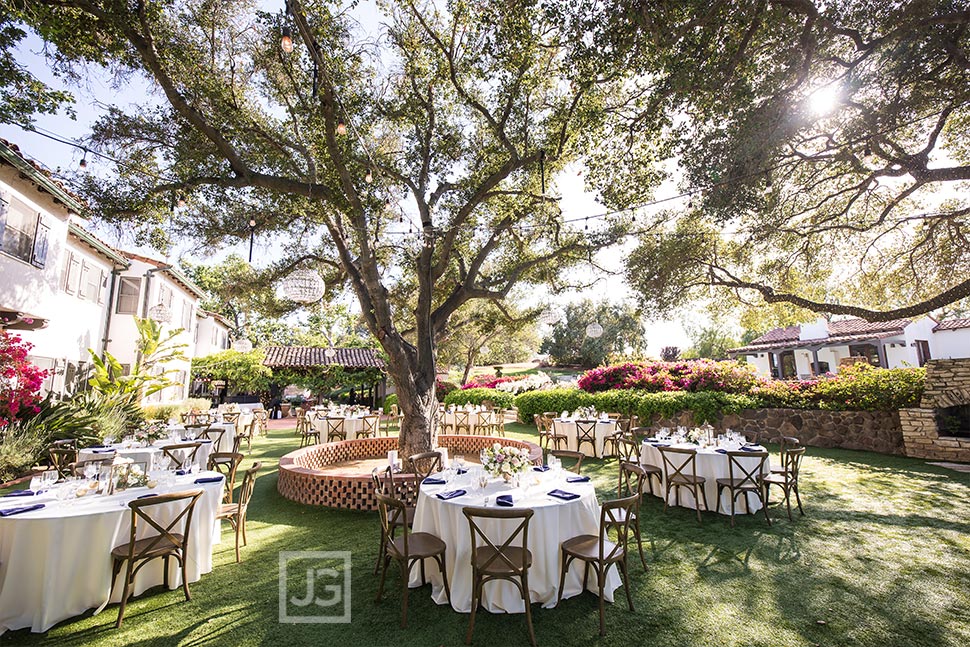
[(425, 463), (184, 416), (616, 514), (335, 426), (623, 425), (628, 449), (575, 456), (632, 479), (393, 517), (198, 427), (614, 416), (749, 467), (226, 463), (461, 419), (215, 435), (248, 485), (230, 416), (639, 433), (369, 425), (676, 460), (181, 454), (142, 510), (791, 462), (787, 442), (61, 459), (395, 411), (586, 431), (480, 538)]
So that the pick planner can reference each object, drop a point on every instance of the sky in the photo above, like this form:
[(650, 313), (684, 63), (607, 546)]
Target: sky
[(99, 91)]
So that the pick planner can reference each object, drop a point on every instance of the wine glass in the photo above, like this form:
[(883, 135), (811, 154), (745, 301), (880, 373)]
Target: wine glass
[(90, 470), (460, 461), (36, 484)]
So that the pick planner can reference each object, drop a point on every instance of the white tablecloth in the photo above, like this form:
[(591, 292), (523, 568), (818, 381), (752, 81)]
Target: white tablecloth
[(554, 522), (476, 419), (147, 454), (228, 436), (55, 563), (603, 429), (712, 465)]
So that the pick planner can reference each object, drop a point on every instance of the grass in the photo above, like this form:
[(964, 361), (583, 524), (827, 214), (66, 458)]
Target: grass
[(882, 558)]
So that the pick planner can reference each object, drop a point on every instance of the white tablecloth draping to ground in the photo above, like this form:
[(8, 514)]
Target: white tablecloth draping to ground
[(476, 419), (151, 456), (55, 563), (554, 522), (603, 429), (712, 465)]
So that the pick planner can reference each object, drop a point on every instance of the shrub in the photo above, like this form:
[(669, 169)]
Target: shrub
[(864, 387), (489, 381), (443, 388), (561, 399), (20, 381), (525, 383), (161, 411), (477, 396), (389, 401), (687, 375), (19, 450)]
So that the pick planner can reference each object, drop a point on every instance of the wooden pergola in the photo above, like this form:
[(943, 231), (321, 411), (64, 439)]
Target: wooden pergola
[(308, 357)]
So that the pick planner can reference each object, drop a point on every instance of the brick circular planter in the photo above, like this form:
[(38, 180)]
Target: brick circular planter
[(301, 478)]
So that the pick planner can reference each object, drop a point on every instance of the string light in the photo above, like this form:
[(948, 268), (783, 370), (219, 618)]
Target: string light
[(341, 128), (84, 160), (369, 178), (286, 42)]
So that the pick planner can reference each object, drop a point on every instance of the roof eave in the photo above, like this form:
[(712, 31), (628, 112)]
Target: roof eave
[(17, 161)]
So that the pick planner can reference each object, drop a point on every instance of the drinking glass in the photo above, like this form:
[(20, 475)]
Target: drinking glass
[(460, 461), (49, 478), (36, 484), (90, 470), (483, 479)]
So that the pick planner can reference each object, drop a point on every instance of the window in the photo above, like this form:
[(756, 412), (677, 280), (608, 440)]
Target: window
[(187, 316), (923, 351), (869, 351), (72, 273), (23, 233), (102, 286), (165, 295), (128, 290), (92, 282)]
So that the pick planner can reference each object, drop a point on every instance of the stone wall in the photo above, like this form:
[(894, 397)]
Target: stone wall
[(875, 431)]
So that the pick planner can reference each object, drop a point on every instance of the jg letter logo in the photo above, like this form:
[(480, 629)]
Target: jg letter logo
[(315, 586)]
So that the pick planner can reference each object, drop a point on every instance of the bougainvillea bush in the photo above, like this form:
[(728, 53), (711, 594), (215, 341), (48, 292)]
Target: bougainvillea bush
[(687, 375), (489, 381), (20, 381)]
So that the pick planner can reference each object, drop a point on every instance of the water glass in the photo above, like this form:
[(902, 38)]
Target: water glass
[(36, 484)]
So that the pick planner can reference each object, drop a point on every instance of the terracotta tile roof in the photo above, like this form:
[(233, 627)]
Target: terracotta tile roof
[(43, 171), (306, 356), (840, 332), (952, 324)]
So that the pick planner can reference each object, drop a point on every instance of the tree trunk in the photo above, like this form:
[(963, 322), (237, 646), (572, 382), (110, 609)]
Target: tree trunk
[(419, 405)]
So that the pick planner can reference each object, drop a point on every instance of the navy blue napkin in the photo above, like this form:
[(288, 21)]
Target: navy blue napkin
[(460, 471), (204, 440), (27, 508), (434, 480), (145, 496), (577, 479), (660, 444), (208, 479), (751, 449), (721, 451), (98, 447), (542, 468), (107, 450), (20, 493), (444, 496), (565, 496), (504, 500), (182, 472)]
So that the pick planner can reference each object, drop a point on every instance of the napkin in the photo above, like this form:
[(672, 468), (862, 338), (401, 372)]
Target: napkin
[(444, 496), (205, 440), (182, 472), (577, 479), (504, 500), (208, 479), (145, 496), (751, 448), (565, 496), (108, 450), (20, 493), (542, 468), (27, 508), (461, 471), (97, 447), (721, 451), (433, 480), (660, 444)]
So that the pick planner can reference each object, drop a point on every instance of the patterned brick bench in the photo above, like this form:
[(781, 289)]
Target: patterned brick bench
[(302, 480)]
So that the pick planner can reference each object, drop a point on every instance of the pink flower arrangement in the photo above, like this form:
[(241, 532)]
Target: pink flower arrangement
[(20, 381)]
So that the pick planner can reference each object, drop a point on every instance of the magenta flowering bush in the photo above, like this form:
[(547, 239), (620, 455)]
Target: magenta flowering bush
[(20, 381), (684, 375), (489, 381)]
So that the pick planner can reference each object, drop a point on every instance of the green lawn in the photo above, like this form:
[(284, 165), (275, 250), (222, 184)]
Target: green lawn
[(883, 558)]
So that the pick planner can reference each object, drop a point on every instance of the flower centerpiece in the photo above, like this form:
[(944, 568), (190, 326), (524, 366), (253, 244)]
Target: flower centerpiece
[(586, 413), (126, 473), (150, 431), (505, 461)]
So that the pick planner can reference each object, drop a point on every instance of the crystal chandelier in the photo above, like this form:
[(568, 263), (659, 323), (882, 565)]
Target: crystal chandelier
[(549, 317), (304, 286), (160, 313), (594, 330), (242, 345)]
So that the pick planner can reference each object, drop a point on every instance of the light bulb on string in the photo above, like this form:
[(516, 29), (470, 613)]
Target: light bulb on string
[(84, 160), (341, 128), (286, 42), (180, 201), (369, 178)]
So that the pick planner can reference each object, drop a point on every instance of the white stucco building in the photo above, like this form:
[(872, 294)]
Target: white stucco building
[(819, 347), (65, 291)]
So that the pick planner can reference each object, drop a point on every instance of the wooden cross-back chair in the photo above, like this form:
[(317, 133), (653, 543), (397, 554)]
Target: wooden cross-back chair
[(506, 560), (424, 464), (586, 433), (171, 541), (407, 549), (61, 457), (369, 426), (745, 475), (235, 513), (632, 479), (335, 429), (385, 485), (787, 480), (601, 553), (226, 463), (576, 457), (680, 470), (181, 454), (214, 435)]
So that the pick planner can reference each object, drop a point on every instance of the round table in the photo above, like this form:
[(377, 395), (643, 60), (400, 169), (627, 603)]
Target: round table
[(352, 426), (145, 455), (567, 427), (225, 442), (712, 465), (554, 522), (55, 563)]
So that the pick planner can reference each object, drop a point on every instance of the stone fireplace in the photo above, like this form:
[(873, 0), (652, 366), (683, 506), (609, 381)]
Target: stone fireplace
[(940, 427)]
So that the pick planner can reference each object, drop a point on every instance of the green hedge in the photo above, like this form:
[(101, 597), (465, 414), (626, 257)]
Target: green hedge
[(388, 401), (706, 406), (498, 398)]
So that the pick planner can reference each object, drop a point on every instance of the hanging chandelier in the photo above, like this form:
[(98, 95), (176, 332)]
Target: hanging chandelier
[(549, 316), (160, 313), (242, 345), (330, 352), (304, 286), (594, 330)]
